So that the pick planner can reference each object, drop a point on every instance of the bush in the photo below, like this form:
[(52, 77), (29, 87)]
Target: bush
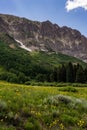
[(32, 124), (8, 76), (56, 100), (68, 120), (68, 89), (3, 105), (70, 102), (29, 126), (27, 83), (64, 99)]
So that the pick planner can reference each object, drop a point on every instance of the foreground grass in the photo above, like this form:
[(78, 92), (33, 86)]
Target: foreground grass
[(42, 108)]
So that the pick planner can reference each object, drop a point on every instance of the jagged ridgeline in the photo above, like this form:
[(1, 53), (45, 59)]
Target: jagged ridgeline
[(44, 36), (32, 50)]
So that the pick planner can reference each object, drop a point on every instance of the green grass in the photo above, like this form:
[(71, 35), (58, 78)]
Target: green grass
[(54, 59), (25, 107)]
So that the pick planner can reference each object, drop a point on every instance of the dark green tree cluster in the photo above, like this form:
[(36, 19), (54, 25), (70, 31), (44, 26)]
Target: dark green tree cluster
[(69, 73)]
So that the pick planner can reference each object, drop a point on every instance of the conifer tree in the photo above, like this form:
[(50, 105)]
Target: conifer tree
[(63, 74), (55, 73), (80, 77), (69, 73)]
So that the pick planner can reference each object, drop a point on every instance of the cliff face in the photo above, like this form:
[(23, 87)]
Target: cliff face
[(43, 36)]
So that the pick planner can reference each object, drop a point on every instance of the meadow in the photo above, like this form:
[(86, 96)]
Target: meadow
[(25, 107)]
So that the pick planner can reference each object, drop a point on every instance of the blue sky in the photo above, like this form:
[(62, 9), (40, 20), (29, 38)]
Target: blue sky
[(71, 13)]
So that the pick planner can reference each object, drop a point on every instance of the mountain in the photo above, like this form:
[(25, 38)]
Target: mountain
[(30, 51), (42, 36)]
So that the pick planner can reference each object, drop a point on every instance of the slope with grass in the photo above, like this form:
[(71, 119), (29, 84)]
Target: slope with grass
[(20, 66), (42, 108), (54, 59), (37, 57)]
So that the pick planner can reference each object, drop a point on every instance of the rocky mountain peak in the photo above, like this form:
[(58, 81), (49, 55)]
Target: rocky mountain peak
[(44, 36)]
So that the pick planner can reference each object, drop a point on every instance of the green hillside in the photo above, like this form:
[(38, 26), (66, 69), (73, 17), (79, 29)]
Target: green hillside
[(54, 59), (20, 66)]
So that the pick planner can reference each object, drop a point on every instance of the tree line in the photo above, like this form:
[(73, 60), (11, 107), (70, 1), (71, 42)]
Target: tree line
[(70, 73), (73, 73)]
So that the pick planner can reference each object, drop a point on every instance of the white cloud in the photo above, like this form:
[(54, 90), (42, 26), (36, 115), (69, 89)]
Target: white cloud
[(73, 4)]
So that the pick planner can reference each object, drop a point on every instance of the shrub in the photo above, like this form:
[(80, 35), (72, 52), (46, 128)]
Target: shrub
[(3, 105), (32, 124), (70, 102), (27, 83), (56, 100), (68, 89), (29, 126), (55, 113), (8, 76), (68, 120)]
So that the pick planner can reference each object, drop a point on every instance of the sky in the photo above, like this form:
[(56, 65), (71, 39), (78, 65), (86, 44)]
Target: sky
[(71, 13)]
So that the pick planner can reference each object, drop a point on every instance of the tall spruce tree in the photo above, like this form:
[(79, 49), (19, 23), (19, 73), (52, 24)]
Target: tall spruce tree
[(55, 74), (59, 74), (69, 73), (63, 73), (80, 77)]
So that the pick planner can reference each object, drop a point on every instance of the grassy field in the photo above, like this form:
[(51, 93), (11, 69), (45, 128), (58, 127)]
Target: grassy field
[(25, 107)]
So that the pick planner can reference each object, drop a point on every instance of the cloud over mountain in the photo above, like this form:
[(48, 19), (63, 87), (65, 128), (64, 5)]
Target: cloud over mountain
[(73, 4)]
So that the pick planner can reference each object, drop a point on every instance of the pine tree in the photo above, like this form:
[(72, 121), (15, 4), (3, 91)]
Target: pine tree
[(59, 74), (51, 78), (55, 74), (69, 73), (80, 77), (63, 73)]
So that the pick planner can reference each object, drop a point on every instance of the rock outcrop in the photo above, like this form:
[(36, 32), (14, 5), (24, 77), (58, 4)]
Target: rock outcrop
[(44, 36)]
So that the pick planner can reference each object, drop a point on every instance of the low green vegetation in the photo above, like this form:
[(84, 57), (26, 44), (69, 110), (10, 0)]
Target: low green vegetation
[(25, 107)]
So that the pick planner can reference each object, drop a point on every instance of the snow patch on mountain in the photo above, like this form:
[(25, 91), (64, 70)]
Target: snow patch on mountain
[(23, 46)]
